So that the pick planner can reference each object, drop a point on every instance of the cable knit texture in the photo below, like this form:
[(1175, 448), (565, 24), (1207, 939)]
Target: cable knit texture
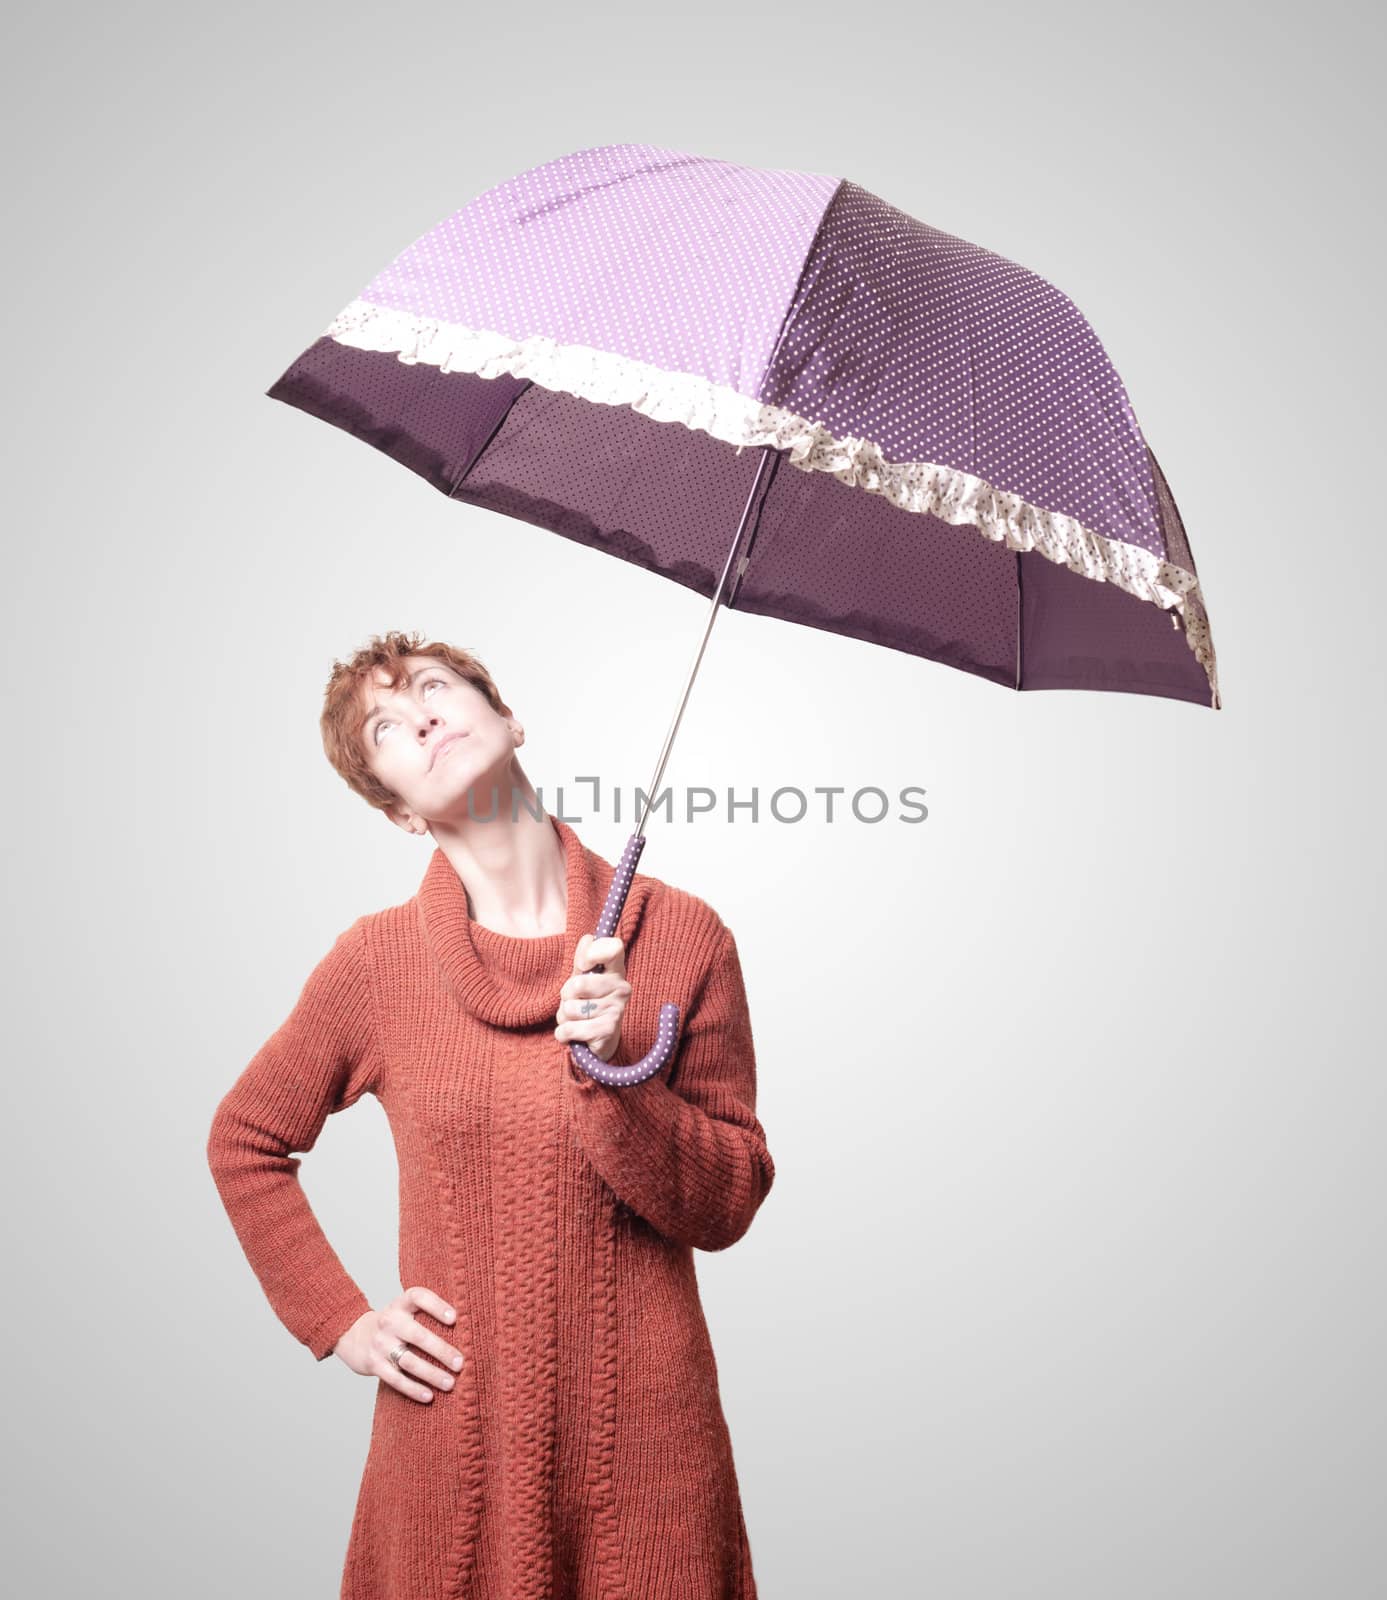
[(582, 1453)]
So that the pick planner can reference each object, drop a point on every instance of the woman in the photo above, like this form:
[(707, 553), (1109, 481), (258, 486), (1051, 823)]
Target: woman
[(547, 1419)]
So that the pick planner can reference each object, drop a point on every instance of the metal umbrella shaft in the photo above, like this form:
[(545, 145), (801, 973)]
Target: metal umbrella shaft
[(667, 1037)]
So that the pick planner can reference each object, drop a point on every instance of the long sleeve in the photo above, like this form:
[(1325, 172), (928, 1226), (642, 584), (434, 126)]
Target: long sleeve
[(687, 1154), (324, 1057)]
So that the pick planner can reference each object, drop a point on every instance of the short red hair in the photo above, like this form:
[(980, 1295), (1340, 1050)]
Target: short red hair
[(344, 707)]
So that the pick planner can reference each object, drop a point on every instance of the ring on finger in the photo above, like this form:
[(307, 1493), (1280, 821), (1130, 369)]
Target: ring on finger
[(397, 1352)]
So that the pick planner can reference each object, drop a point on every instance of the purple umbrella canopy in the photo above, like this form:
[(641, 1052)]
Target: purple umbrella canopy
[(971, 482)]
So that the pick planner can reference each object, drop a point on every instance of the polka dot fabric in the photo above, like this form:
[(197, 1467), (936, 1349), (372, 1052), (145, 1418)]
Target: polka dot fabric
[(674, 260), (937, 350), (521, 356)]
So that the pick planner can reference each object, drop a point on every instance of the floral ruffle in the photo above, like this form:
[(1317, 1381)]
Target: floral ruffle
[(948, 493)]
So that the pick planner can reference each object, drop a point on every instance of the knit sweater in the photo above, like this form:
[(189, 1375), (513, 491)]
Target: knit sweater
[(582, 1453)]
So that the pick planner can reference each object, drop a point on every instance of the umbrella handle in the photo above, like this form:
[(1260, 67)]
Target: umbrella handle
[(667, 1036)]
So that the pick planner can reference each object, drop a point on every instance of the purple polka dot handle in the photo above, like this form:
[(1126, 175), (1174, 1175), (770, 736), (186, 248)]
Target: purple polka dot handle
[(667, 1033)]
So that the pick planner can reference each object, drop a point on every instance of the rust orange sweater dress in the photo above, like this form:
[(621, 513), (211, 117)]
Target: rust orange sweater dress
[(582, 1453)]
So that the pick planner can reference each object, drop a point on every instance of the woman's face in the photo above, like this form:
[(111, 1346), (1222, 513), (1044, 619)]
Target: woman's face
[(434, 739)]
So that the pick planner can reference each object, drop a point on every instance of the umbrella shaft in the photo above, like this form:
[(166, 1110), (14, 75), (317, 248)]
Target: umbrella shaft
[(654, 788)]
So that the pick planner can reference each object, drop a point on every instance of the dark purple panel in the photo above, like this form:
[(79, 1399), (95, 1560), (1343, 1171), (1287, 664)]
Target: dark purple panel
[(658, 494), (1085, 635), (838, 558), (940, 351), (430, 421)]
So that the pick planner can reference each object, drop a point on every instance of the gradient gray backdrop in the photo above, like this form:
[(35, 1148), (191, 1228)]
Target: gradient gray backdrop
[(1078, 1291)]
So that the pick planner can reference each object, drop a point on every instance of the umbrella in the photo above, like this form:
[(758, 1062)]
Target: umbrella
[(629, 345)]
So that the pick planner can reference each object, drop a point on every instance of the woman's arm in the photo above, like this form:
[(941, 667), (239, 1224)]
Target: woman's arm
[(324, 1057), (690, 1158)]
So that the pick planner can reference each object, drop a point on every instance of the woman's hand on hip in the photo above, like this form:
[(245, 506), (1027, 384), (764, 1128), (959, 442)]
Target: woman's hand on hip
[(604, 994), (366, 1345)]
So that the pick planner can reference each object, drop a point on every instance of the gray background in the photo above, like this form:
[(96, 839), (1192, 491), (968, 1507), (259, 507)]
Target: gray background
[(1071, 1280)]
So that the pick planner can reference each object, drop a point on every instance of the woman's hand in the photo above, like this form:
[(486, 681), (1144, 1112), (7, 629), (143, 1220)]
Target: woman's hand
[(604, 993), (367, 1344)]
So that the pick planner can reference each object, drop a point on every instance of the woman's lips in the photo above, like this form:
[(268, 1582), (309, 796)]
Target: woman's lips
[(443, 744)]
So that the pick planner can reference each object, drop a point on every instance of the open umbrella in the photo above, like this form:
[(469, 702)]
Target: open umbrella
[(971, 483)]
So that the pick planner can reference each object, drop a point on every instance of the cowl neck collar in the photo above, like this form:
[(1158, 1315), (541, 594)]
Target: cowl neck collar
[(511, 981)]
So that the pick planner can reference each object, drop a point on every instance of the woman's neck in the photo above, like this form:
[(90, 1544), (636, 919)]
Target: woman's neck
[(514, 873)]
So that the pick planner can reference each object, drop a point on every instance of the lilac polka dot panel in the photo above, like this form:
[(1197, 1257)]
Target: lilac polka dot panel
[(609, 345), (675, 260)]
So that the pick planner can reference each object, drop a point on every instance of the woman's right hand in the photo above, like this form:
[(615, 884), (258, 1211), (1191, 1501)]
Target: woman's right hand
[(366, 1345)]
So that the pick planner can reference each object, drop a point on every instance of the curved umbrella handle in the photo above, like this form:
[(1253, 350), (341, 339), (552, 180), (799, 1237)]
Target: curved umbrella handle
[(667, 1037)]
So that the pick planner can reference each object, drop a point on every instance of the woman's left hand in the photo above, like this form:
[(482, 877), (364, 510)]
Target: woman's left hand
[(604, 993)]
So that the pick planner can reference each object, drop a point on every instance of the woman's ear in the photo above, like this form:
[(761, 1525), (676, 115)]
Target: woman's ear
[(517, 730), (406, 820)]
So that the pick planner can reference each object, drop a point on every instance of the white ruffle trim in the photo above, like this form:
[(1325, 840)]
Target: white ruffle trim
[(953, 496)]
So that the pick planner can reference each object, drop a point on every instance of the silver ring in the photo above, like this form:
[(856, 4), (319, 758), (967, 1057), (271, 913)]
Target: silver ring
[(397, 1352), (589, 1006)]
